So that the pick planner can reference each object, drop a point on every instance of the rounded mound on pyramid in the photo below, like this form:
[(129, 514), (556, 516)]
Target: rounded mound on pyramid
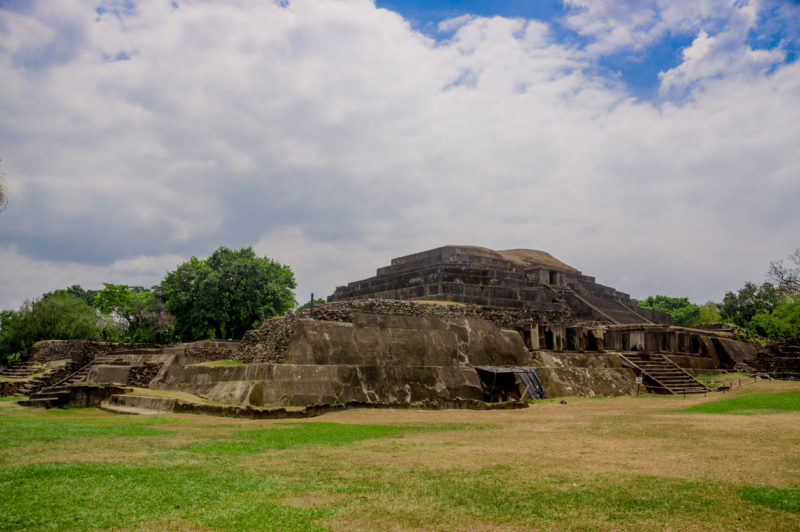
[(527, 258), (533, 257)]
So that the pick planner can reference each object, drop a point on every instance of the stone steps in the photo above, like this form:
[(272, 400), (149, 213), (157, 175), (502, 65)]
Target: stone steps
[(47, 399), (21, 370), (666, 376), (615, 310), (138, 404), (106, 360), (36, 383)]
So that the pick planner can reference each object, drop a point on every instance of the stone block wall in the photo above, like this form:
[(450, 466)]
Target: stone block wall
[(513, 279)]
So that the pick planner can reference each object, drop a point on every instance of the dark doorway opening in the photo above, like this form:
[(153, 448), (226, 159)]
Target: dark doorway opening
[(502, 384)]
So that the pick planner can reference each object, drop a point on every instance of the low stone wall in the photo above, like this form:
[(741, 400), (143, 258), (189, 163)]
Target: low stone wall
[(80, 352), (250, 412), (11, 387), (210, 350), (140, 376), (297, 384), (587, 382), (780, 360)]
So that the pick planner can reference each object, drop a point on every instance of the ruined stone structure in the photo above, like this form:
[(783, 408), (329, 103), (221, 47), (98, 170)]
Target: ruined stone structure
[(452, 326), (514, 278), (404, 353)]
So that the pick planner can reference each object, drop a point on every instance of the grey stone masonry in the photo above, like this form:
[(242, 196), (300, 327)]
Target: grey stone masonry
[(516, 278)]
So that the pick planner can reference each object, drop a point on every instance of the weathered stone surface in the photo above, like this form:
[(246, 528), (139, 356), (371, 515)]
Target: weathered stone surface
[(269, 342), (780, 360), (208, 350), (579, 360), (269, 384), (10, 387), (139, 404), (141, 376), (587, 382), (512, 278)]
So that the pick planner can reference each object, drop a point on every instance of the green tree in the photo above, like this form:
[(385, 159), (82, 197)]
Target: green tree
[(226, 294), (709, 313), (59, 316), (87, 296), (680, 310), (742, 306), (137, 314), (782, 323)]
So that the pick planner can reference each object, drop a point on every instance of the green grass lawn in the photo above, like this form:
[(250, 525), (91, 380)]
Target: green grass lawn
[(85, 469), (751, 404)]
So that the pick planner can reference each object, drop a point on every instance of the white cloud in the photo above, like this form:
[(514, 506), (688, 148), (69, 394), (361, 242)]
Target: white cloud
[(332, 137), (32, 278), (635, 24), (724, 55)]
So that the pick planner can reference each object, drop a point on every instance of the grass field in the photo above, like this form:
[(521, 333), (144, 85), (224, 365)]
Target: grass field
[(646, 463)]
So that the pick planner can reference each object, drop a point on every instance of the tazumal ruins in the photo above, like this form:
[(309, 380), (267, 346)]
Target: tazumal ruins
[(455, 326)]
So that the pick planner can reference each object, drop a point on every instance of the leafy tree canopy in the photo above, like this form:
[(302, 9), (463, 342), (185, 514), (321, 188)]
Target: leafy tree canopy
[(680, 310), (137, 314), (226, 294), (87, 296), (742, 306), (780, 324), (60, 316)]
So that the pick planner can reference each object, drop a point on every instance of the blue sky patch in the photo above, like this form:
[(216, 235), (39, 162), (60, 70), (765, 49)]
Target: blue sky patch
[(778, 26)]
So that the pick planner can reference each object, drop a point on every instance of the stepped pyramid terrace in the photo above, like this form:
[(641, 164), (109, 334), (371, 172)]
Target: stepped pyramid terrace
[(452, 327), (513, 278)]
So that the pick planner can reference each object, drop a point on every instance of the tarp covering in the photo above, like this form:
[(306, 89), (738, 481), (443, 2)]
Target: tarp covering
[(527, 376)]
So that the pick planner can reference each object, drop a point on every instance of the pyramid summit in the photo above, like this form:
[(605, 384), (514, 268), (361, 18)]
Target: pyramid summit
[(513, 278)]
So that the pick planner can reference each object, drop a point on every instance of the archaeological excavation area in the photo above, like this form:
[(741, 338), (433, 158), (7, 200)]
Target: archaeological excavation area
[(453, 327)]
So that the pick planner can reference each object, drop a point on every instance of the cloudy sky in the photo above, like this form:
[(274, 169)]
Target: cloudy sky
[(654, 144)]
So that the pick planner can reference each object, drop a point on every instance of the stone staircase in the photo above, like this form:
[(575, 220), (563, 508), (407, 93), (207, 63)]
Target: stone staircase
[(40, 395), (612, 310), (138, 404), (53, 397), (78, 396), (37, 383), (21, 370), (105, 360), (664, 375), (24, 370)]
